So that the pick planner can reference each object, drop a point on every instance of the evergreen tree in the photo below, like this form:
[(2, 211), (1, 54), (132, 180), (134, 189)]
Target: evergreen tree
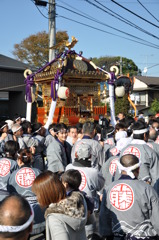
[(155, 106), (128, 66), (122, 105)]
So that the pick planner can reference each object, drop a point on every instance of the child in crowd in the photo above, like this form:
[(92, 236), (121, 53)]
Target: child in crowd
[(72, 179)]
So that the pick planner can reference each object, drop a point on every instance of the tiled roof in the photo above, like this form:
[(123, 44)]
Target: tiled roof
[(141, 107), (150, 81), (10, 63)]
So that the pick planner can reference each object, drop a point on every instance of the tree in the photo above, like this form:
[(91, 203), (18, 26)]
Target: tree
[(128, 66), (122, 105), (154, 106), (34, 50)]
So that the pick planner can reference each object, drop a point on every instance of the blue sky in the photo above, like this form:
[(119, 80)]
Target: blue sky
[(20, 18)]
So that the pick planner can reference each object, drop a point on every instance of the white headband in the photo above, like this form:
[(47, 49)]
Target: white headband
[(37, 130), (141, 131), (16, 130), (110, 132), (4, 126), (4, 228), (128, 170), (17, 118), (51, 129), (20, 155)]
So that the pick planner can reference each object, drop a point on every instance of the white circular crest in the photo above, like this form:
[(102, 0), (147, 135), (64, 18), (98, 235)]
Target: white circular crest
[(121, 197), (27, 72)]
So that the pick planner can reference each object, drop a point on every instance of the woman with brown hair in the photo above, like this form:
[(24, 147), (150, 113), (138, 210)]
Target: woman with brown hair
[(65, 217)]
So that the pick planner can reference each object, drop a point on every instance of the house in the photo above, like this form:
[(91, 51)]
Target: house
[(145, 90), (12, 88)]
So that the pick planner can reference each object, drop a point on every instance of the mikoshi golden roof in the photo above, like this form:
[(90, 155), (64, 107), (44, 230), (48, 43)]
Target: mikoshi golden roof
[(71, 66)]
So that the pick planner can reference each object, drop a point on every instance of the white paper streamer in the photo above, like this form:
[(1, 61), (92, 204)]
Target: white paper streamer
[(51, 114)]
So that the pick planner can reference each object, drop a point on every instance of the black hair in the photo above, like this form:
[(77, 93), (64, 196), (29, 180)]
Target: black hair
[(52, 125), (120, 125), (2, 124), (25, 156), (70, 127), (73, 178), (98, 128), (152, 120), (138, 126), (11, 148), (25, 125), (157, 119), (129, 120), (35, 127), (60, 126), (122, 113), (79, 127), (141, 120), (15, 117)]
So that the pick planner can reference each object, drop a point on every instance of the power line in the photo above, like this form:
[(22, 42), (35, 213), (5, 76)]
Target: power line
[(106, 1), (122, 19), (74, 8), (39, 10), (147, 10), (135, 14), (95, 20), (84, 24), (153, 66)]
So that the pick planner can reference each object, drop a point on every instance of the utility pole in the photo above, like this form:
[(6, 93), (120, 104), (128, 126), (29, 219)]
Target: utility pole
[(52, 29), (121, 66), (52, 41)]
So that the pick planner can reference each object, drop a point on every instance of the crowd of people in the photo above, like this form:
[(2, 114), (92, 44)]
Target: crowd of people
[(87, 181)]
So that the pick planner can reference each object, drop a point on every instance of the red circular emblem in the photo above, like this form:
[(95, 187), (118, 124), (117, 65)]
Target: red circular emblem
[(77, 147), (122, 197), (132, 150), (109, 141), (114, 151), (150, 145), (83, 182), (67, 92), (157, 141), (25, 177), (113, 166), (4, 167)]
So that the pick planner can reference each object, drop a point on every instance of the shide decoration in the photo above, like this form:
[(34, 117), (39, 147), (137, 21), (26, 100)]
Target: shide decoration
[(70, 86)]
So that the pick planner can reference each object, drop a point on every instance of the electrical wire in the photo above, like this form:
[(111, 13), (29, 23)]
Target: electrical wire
[(153, 66), (75, 8), (39, 10), (148, 10), (95, 20), (120, 17), (135, 14), (84, 24)]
